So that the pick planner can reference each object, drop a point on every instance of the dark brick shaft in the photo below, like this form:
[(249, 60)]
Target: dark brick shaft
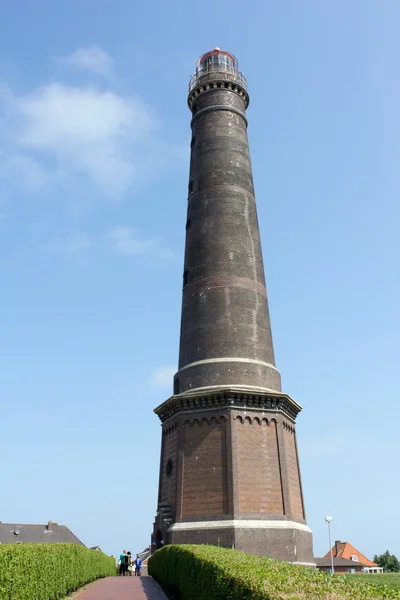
[(224, 309)]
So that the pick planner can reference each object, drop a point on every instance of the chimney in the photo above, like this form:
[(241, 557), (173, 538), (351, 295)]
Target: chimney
[(49, 526), (338, 547)]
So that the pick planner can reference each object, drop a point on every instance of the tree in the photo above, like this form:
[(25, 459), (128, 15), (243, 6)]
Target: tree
[(389, 562)]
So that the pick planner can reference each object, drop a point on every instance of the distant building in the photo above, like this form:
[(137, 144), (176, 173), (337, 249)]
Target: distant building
[(340, 565), (345, 551), (52, 533)]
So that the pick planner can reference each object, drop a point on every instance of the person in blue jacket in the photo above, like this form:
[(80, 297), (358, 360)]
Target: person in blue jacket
[(138, 564)]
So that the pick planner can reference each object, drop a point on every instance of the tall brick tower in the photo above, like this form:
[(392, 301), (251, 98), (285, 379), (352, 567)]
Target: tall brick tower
[(229, 470)]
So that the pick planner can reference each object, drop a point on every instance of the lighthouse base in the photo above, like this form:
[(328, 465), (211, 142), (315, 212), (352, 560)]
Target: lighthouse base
[(284, 540)]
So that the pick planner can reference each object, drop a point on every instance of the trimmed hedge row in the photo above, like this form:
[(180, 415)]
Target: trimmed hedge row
[(190, 572), (49, 571)]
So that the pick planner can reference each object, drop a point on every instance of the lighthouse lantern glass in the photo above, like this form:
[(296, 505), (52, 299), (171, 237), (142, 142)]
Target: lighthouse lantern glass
[(215, 64)]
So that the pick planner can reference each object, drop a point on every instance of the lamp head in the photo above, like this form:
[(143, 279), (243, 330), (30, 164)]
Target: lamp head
[(328, 519)]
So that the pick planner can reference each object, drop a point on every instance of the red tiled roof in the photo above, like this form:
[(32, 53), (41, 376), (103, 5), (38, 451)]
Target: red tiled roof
[(346, 550)]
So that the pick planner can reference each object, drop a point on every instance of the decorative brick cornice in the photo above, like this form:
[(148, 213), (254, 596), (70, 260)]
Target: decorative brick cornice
[(217, 81), (215, 399)]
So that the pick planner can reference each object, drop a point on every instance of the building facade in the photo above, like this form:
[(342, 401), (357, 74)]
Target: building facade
[(229, 471), (340, 565)]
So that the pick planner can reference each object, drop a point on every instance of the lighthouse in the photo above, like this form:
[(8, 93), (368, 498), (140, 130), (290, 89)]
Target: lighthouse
[(229, 468)]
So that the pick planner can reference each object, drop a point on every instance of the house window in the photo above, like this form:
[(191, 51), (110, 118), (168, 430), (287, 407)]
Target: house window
[(351, 570), (354, 557)]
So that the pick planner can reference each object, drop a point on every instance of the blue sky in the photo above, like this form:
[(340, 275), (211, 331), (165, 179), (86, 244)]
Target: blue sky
[(94, 149)]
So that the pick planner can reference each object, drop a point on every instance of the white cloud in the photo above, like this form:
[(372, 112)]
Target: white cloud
[(70, 246), (68, 136), (163, 377), (86, 131), (92, 59), (122, 240), (125, 241)]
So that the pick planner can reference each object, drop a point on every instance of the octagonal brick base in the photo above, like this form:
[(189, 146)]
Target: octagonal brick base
[(283, 540)]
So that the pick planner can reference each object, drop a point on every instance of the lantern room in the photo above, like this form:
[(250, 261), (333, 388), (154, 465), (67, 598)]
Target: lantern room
[(217, 65), (216, 60)]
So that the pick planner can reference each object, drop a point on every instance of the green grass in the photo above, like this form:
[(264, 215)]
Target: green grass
[(195, 572), (392, 580)]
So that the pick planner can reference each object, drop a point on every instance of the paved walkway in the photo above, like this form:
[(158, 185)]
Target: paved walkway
[(122, 588)]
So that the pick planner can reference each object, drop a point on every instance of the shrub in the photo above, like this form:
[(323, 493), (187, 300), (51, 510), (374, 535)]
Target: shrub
[(190, 572), (49, 571)]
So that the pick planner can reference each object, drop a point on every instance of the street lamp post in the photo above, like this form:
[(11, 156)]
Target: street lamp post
[(328, 520)]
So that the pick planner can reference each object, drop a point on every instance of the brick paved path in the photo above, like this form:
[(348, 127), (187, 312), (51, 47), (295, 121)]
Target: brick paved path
[(122, 588)]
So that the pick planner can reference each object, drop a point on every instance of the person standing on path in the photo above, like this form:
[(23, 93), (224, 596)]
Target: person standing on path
[(122, 570), (138, 564), (130, 565)]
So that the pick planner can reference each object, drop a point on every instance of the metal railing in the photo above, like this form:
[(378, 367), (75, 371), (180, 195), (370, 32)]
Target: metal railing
[(217, 74)]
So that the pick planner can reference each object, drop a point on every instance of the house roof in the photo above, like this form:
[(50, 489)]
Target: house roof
[(11, 533), (337, 562), (346, 550)]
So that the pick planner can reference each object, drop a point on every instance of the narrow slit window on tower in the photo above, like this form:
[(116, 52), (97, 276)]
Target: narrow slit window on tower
[(188, 223), (185, 277), (169, 468), (194, 108), (193, 141), (176, 385), (190, 186)]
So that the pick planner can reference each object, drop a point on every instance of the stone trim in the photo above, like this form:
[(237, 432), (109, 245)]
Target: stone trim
[(231, 282), (223, 187), (223, 360), (217, 399), (240, 524)]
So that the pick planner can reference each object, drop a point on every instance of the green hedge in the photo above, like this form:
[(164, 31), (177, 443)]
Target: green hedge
[(49, 571), (190, 572)]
